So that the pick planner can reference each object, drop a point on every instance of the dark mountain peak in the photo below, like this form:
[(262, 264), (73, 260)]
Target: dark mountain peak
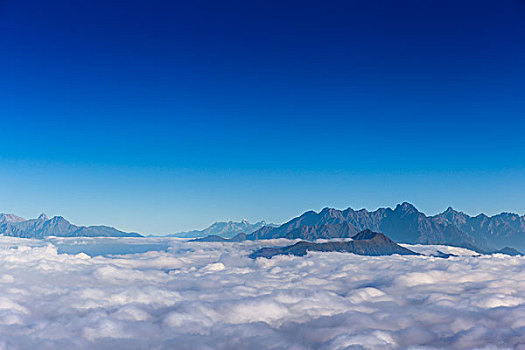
[(366, 234), (367, 243), (58, 219), (449, 210), (406, 207), (42, 217), (453, 216)]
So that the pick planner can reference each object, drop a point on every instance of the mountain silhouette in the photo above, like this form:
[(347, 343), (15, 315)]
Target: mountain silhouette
[(366, 242)]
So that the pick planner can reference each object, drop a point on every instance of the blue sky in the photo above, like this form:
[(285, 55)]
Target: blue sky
[(160, 116)]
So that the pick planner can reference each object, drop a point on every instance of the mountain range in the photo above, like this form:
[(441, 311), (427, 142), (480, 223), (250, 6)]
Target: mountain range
[(403, 224), (12, 225), (224, 229), (406, 224), (241, 237)]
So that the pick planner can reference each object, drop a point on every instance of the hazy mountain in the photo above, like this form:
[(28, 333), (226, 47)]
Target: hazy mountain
[(405, 224), (10, 218), (508, 251), (214, 238), (364, 243), (11, 225), (224, 229)]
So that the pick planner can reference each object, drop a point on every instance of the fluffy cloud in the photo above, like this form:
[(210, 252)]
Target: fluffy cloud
[(211, 296)]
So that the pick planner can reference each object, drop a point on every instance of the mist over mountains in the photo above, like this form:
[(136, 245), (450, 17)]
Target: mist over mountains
[(406, 224), (41, 227), (403, 224)]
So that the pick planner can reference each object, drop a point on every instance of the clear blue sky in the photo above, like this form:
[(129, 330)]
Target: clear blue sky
[(159, 116)]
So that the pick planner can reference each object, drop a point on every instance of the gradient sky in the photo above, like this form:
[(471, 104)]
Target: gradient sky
[(160, 116)]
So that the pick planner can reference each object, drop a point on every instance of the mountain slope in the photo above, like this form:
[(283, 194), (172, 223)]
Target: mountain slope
[(364, 243)]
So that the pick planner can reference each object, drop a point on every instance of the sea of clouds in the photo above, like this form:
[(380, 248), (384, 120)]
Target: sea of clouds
[(211, 296)]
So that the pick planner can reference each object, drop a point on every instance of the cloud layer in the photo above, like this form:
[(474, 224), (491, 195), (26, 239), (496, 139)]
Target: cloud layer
[(211, 296)]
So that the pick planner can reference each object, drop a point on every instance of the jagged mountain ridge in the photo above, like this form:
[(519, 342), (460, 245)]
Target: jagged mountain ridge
[(405, 224), (224, 229), (506, 228), (11, 225)]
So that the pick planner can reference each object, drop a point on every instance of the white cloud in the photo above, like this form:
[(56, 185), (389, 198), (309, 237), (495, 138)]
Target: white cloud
[(211, 296)]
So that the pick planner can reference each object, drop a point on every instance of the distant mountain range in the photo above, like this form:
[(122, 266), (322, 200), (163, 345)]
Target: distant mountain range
[(241, 237), (405, 224), (12, 225), (224, 229), (364, 243)]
